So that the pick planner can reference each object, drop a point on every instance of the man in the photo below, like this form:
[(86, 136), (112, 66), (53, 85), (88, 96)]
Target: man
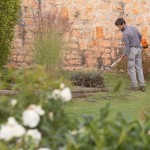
[(132, 40)]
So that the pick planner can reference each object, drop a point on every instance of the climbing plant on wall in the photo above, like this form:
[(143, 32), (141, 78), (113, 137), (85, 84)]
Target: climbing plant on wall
[(8, 17)]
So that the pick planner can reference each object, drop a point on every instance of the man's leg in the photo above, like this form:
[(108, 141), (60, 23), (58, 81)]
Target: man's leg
[(138, 63), (131, 67)]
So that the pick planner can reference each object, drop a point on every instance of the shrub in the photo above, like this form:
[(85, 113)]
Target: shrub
[(122, 66), (33, 78), (116, 134), (47, 119), (48, 50), (49, 126), (8, 17), (146, 63), (45, 99), (50, 41), (87, 78), (37, 118)]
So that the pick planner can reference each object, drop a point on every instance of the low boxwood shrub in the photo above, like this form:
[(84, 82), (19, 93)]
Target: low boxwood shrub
[(87, 78), (50, 44)]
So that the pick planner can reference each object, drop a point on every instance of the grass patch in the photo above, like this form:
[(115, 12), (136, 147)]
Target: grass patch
[(129, 103)]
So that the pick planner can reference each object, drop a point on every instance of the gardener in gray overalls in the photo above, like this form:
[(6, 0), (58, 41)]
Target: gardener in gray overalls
[(132, 40)]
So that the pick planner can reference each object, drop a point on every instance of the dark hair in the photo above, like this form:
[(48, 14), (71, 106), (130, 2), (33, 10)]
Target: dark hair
[(120, 21)]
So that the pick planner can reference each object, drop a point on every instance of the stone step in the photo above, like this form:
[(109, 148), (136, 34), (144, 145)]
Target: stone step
[(80, 92), (8, 92)]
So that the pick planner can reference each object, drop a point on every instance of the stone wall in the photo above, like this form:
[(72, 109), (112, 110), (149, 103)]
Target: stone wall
[(95, 41)]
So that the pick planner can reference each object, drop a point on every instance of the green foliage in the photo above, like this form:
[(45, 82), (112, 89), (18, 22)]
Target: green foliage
[(116, 134), (53, 127), (5, 74), (8, 17), (118, 86), (7, 77), (50, 41), (33, 78), (146, 64), (58, 130), (48, 50), (87, 78)]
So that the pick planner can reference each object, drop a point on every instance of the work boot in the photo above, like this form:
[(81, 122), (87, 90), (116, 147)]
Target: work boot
[(142, 88), (132, 89)]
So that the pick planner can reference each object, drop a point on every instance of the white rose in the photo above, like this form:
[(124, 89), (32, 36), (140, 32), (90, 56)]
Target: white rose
[(30, 118), (19, 131), (34, 134), (62, 85), (6, 133), (56, 94), (51, 115), (40, 111), (74, 132), (37, 109), (43, 149), (12, 121), (16, 128), (66, 94), (13, 102), (11, 129), (61, 148)]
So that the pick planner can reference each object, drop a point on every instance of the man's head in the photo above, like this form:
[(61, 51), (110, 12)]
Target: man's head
[(120, 23)]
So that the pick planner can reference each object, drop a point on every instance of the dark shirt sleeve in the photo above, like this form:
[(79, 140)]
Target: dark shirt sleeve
[(127, 44)]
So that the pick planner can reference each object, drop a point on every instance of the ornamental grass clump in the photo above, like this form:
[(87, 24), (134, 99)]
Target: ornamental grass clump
[(50, 42), (48, 50)]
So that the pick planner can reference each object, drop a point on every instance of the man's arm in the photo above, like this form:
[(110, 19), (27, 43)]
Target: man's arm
[(127, 47), (127, 44)]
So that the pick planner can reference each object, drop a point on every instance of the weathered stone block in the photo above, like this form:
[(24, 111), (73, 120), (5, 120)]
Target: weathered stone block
[(65, 13), (140, 19), (99, 32), (136, 8)]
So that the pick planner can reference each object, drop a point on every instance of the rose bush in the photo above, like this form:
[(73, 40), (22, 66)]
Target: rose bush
[(38, 119), (35, 119)]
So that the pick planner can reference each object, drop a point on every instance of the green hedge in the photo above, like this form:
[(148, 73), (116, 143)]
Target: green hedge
[(91, 78), (8, 18)]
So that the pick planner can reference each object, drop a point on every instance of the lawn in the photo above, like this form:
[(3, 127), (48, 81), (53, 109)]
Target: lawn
[(129, 103)]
